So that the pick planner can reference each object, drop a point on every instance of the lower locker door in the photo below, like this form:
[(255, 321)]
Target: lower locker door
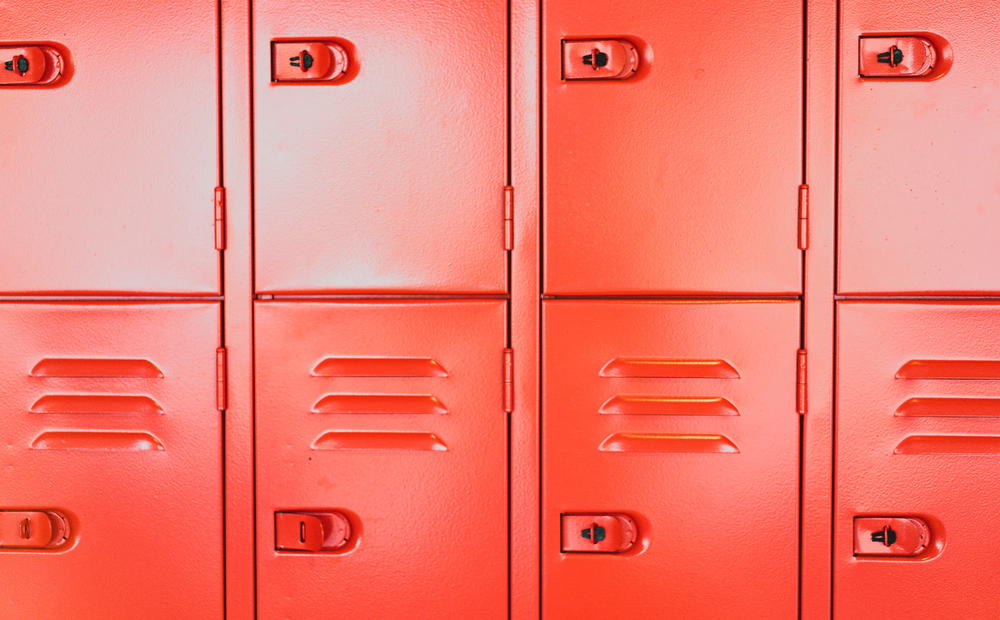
[(381, 460), (670, 459), (918, 461), (110, 447)]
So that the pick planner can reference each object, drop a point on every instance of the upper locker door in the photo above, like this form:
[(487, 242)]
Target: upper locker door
[(386, 173), (109, 157), (680, 176), (670, 460), (919, 147)]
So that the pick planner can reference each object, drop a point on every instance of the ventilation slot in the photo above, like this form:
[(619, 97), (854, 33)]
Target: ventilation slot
[(642, 367), (95, 403), (379, 440), (950, 408), (128, 441), (950, 369), (93, 367), (379, 403), (646, 442), (949, 444), (668, 405), (379, 367)]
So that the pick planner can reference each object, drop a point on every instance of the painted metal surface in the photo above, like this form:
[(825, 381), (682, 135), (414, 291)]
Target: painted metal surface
[(917, 155), (818, 310), (682, 178), (391, 414), (110, 421), (524, 310), (918, 435), (109, 187), (240, 526), (682, 416), (390, 179)]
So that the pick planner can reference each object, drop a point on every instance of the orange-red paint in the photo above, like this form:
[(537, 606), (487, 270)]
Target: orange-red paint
[(707, 532), (498, 309), (137, 490)]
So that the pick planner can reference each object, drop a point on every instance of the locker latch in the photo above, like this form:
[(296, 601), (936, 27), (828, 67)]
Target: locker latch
[(907, 56), (32, 529), (308, 61), (597, 533), (310, 531), (890, 536), (30, 65), (599, 59)]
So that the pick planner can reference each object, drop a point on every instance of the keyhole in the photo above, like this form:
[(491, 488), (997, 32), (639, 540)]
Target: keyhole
[(302, 531)]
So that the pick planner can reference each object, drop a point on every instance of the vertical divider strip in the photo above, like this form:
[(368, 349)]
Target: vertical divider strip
[(236, 143), (817, 451)]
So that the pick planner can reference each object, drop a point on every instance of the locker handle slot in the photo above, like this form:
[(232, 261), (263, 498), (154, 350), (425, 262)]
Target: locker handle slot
[(32, 530), (311, 532), (903, 56), (890, 536), (31, 65), (597, 533)]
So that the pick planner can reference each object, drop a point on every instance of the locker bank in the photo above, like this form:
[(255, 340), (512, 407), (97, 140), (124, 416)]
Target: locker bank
[(500, 309)]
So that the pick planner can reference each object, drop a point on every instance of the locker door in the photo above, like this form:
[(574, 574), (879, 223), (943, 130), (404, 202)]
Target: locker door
[(682, 417), (918, 155), (107, 174), (918, 437), (111, 497), (682, 177), (389, 178), (387, 420)]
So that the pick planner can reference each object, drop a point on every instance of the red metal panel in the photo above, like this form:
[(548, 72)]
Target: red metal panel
[(525, 310), (816, 520), (682, 416), (107, 177), (238, 311), (110, 418), (918, 435), (918, 156), (683, 177), (391, 414), (391, 178)]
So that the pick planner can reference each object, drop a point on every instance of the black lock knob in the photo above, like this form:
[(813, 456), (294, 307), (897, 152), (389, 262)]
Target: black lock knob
[(596, 59), (594, 533), (304, 60), (886, 536), (18, 64), (892, 58)]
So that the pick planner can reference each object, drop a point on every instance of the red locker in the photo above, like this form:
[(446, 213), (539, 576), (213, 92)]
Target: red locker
[(390, 178), (683, 176), (109, 185), (111, 452), (918, 437), (919, 152), (681, 417), (386, 419)]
